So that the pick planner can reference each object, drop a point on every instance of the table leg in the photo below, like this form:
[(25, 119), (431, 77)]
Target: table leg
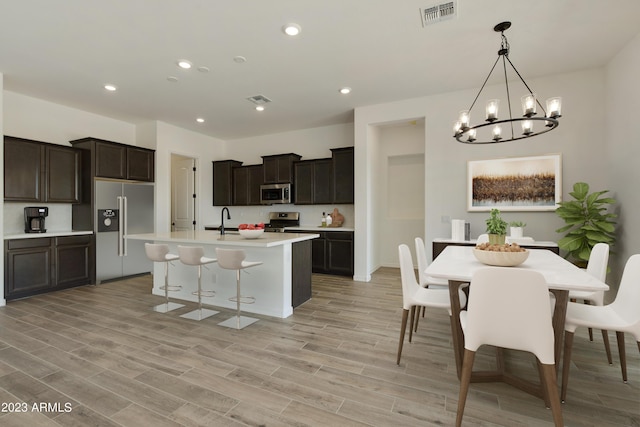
[(559, 315), (456, 327)]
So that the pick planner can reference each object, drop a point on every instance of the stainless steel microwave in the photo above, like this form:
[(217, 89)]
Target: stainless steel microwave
[(271, 194)]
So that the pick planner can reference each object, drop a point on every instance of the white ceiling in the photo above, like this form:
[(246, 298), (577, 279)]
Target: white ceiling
[(64, 51)]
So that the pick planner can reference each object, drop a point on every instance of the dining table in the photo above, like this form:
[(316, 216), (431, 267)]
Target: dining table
[(457, 264)]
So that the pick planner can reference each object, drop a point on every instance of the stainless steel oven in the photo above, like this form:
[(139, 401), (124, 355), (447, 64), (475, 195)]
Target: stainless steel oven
[(271, 194)]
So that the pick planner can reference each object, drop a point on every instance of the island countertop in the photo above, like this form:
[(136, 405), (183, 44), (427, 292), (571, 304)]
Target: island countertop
[(231, 238), (285, 269)]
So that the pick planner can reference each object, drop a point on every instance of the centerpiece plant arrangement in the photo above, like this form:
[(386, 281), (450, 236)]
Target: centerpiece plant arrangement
[(496, 228), (588, 222)]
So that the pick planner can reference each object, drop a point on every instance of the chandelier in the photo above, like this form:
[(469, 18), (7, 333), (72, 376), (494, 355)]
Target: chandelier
[(493, 129)]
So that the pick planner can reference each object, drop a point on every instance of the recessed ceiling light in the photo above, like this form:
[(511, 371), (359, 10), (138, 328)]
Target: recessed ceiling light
[(183, 63), (259, 108), (345, 90), (239, 59), (200, 120), (292, 29), (110, 87), (203, 69), (172, 79)]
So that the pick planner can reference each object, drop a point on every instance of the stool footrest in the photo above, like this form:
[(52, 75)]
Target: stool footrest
[(171, 288), (243, 300), (205, 293)]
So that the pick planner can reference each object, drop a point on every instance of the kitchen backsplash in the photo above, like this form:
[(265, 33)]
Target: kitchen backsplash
[(59, 218), (310, 215)]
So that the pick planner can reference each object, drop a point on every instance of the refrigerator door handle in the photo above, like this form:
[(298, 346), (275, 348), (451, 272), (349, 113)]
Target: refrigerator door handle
[(126, 226), (120, 225)]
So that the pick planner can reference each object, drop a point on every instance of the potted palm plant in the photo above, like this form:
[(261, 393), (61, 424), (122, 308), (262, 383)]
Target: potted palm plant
[(588, 221), (496, 228)]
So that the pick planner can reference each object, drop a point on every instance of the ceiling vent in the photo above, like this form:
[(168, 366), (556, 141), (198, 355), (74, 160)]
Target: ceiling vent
[(259, 99), (440, 12)]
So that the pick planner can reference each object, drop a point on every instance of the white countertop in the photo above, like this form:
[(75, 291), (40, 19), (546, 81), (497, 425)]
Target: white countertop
[(213, 237), (47, 234), (314, 228), (317, 228)]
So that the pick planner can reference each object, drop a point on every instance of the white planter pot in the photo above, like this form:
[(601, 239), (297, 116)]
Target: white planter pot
[(516, 232)]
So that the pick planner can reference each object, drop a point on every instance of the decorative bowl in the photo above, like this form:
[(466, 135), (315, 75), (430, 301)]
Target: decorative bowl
[(251, 234), (501, 259)]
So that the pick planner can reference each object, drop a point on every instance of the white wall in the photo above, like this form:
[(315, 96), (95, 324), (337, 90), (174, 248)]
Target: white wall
[(623, 151), (579, 138), (204, 149), (32, 118)]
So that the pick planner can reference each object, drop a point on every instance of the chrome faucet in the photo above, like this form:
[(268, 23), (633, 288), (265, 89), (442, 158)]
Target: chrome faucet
[(222, 219)]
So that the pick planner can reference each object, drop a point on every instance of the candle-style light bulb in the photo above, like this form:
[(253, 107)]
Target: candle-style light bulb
[(529, 105), (457, 128), (527, 127), (464, 119), (497, 133), (554, 106), (492, 110), (471, 135)]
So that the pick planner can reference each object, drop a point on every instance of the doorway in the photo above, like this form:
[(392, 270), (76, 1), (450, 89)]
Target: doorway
[(183, 194)]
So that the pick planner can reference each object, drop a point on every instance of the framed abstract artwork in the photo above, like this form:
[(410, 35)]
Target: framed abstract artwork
[(515, 184)]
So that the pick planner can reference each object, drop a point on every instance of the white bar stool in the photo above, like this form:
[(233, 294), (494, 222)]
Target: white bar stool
[(194, 255), (233, 259), (160, 253)]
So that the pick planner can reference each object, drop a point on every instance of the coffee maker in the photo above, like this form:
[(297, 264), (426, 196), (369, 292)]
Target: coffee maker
[(34, 219)]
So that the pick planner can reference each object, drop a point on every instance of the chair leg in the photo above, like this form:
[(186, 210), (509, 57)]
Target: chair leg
[(403, 327), (415, 328), (413, 316), (623, 355), (465, 379), (586, 302), (566, 363), (607, 347), (548, 379)]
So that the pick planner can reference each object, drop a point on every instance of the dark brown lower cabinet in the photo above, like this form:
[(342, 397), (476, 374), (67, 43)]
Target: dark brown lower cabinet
[(28, 267), (73, 261), (39, 265), (332, 253)]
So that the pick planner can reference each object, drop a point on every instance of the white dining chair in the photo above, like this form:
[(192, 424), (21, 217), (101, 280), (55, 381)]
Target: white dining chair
[(597, 267), (493, 319), (414, 295), (622, 315), (423, 279), (483, 238)]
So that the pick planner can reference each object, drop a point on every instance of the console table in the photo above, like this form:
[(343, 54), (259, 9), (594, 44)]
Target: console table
[(439, 244)]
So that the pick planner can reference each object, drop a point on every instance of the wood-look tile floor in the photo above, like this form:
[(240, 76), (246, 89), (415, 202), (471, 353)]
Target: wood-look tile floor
[(98, 355)]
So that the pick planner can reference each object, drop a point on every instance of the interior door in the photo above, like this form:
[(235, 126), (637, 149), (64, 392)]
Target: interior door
[(182, 193)]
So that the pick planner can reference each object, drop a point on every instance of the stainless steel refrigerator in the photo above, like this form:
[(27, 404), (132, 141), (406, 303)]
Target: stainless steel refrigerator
[(122, 208)]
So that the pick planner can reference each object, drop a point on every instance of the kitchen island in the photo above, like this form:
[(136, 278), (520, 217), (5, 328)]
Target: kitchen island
[(281, 283)]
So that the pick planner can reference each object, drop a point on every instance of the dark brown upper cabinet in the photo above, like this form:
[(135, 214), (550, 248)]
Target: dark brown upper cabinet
[(246, 185), (313, 183), (119, 161), (343, 180), (40, 172), (279, 168), (223, 181)]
